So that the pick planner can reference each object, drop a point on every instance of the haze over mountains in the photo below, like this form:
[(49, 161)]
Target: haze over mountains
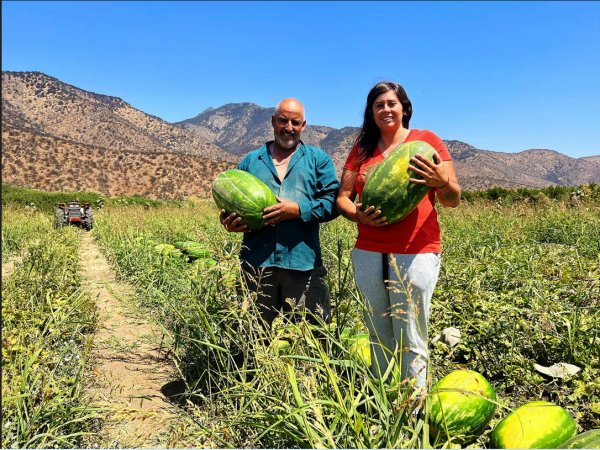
[(58, 137)]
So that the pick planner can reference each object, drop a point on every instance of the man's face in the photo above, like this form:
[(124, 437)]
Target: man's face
[(288, 124)]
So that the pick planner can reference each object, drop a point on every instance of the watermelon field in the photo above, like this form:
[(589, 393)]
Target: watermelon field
[(519, 286)]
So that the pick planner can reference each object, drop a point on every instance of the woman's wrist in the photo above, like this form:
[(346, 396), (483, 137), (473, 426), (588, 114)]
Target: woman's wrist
[(444, 185), (356, 216)]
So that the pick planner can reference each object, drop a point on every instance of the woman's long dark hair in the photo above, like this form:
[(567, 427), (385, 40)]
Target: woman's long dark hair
[(369, 133)]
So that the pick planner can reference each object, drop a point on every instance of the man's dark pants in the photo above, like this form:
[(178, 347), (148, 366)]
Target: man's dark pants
[(288, 291)]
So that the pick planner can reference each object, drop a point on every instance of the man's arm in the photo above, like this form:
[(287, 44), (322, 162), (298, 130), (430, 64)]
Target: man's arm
[(321, 207)]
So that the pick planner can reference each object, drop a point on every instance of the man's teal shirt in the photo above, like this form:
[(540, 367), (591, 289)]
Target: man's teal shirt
[(311, 182)]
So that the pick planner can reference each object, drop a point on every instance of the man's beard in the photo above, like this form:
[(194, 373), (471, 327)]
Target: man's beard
[(287, 141)]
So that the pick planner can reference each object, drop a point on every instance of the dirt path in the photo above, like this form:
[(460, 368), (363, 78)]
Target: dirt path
[(130, 367), (9, 267)]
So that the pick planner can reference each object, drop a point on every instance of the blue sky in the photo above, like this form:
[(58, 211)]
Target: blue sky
[(503, 76)]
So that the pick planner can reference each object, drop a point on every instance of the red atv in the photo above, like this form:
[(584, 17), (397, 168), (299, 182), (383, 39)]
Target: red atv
[(75, 213)]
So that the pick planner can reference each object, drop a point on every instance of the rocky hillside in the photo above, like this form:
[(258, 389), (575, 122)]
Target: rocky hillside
[(244, 126), (54, 164), (58, 137), (34, 101), (483, 169)]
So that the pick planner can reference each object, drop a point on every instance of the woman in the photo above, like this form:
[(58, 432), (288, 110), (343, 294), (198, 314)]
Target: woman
[(407, 253)]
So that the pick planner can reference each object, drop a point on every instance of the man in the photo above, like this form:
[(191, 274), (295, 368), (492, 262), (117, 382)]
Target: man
[(282, 261)]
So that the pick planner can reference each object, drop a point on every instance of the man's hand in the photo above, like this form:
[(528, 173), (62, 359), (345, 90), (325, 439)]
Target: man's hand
[(232, 223), (284, 210)]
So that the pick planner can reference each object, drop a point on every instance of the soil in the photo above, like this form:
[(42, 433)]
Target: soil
[(131, 364), (9, 267)]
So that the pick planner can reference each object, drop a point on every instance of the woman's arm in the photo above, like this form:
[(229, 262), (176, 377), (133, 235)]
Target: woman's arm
[(346, 195), (449, 194)]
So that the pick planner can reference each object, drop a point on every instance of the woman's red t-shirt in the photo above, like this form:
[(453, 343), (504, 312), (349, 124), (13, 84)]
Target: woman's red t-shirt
[(419, 232)]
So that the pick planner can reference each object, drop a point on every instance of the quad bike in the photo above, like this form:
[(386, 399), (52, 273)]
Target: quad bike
[(75, 213)]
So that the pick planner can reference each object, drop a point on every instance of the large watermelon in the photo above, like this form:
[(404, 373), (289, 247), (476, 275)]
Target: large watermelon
[(388, 187), (359, 345), (241, 192), (537, 424), (587, 439), (462, 404)]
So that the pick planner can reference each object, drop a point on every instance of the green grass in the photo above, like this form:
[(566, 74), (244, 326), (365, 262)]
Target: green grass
[(521, 284), (46, 323), (44, 201), (21, 227), (519, 279)]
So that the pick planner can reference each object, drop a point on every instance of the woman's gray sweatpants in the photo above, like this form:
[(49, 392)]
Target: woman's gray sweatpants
[(398, 310)]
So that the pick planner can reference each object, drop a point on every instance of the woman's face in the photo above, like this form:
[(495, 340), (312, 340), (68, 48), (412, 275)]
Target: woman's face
[(387, 111)]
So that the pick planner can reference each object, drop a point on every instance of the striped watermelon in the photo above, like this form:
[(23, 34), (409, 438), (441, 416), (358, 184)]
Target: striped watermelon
[(241, 192), (388, 187), (462, 404), (587, 439), (197, 252), (175, 253), (538, 424), (184, 245), (192, 249)]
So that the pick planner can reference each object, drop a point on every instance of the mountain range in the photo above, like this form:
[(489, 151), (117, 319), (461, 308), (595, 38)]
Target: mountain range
[(58, 137)]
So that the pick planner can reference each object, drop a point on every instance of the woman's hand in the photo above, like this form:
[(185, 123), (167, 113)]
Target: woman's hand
[(439, 175), (433, 173), (370, 216)]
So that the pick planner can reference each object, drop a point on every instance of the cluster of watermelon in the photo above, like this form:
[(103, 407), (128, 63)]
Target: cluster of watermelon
[(463, 403)]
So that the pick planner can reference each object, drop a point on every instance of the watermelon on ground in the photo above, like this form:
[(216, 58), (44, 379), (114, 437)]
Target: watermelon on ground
[(389, 188), (182, 244), (175, 253), (163, 249), (204, 263), (185, 245), (240, 192), (462, 404), (282, 346), (587, 439), (538, 424), (197, 252), (193, 250), (359, 345)]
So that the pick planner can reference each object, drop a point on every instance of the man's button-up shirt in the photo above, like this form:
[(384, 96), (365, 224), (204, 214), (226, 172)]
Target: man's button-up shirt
[(311, 182)]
